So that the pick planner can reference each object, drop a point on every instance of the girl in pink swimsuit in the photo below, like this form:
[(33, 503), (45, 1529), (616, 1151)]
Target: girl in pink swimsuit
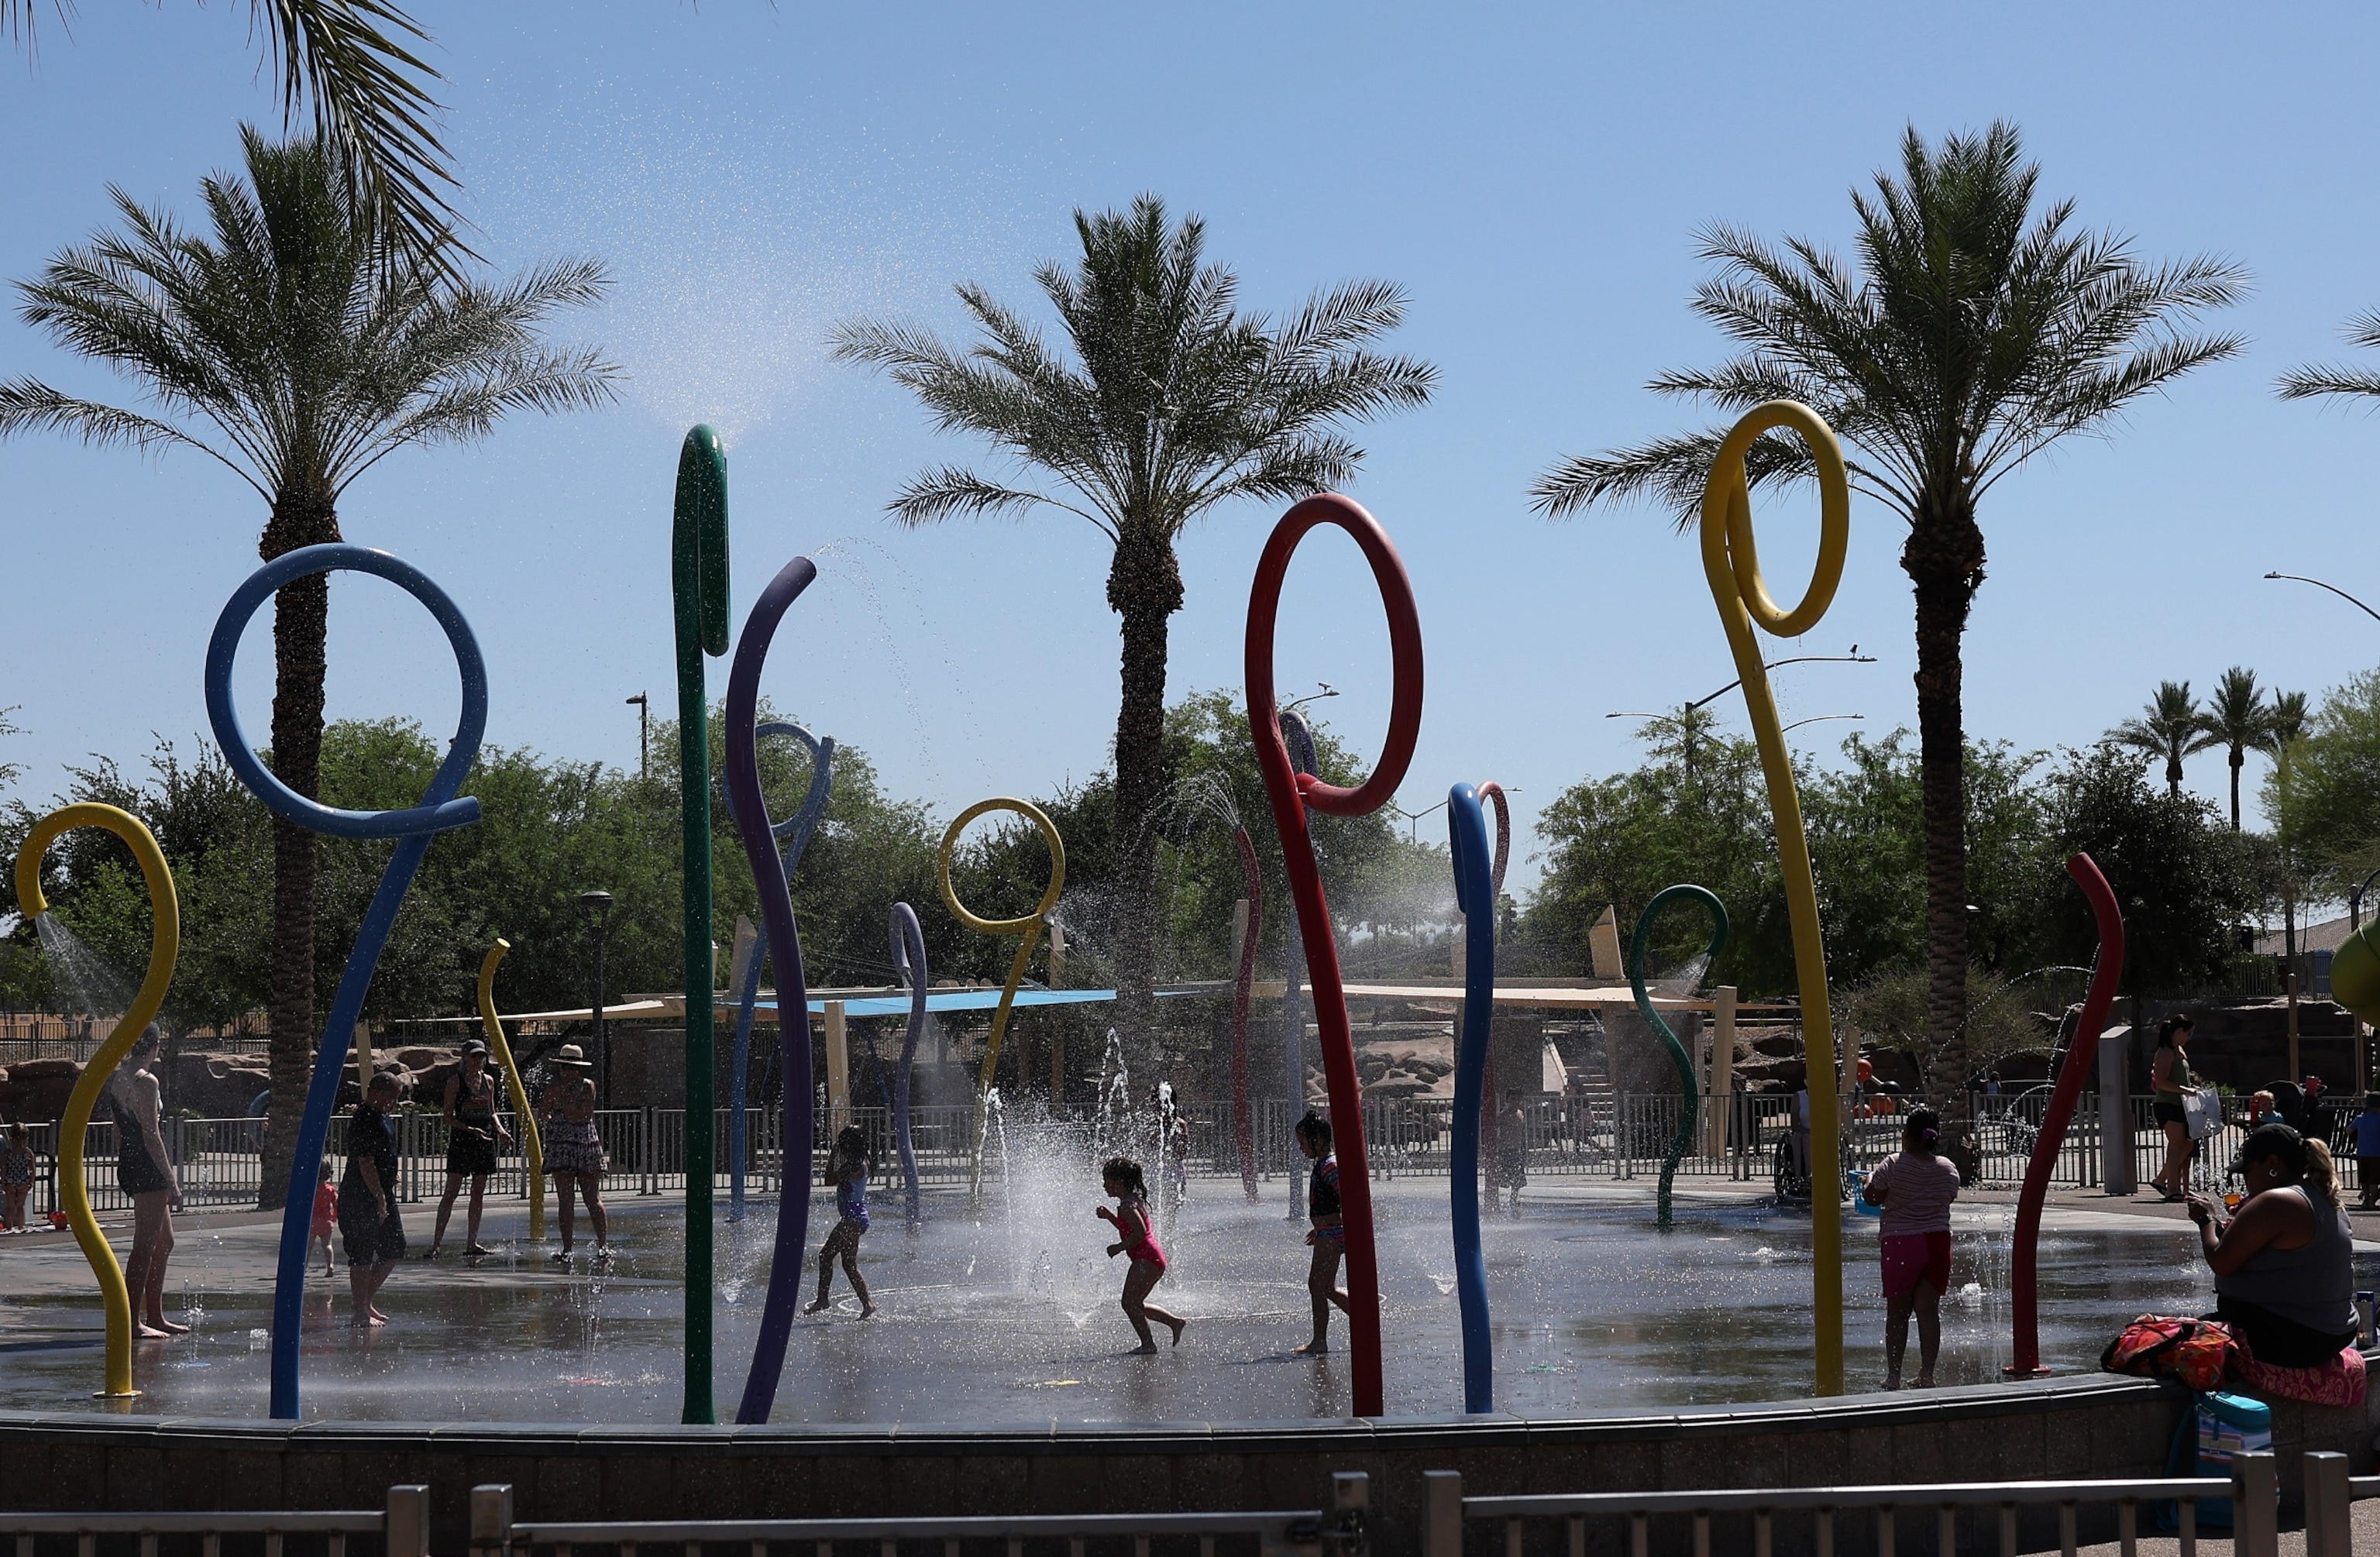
[(1135, 1237)]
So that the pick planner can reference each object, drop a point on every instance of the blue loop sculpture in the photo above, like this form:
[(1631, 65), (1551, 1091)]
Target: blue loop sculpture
[(1467, 827), (751, 812), (909, 965), (1689, 1086), (794, 832), (438, 810)]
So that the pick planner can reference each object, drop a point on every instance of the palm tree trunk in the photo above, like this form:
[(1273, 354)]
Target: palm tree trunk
[(1944, 557), (1145, 589), (2173, 772), (301, 621), (2239, 757)]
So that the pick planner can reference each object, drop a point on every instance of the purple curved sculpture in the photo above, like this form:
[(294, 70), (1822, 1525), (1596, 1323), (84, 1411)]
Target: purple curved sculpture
[(751, 813), (909, 965), (794, 833)]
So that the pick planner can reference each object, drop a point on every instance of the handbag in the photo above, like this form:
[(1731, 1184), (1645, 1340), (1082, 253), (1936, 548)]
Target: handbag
[(2201, 1113)]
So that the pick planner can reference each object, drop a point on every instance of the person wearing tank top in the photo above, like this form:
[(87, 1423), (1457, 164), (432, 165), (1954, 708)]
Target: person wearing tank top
[(1327, 1236), (2284, 1266)]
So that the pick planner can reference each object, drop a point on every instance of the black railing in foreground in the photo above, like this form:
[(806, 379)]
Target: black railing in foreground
[(403, 1525), (2250, 1489), (1337, 1532)]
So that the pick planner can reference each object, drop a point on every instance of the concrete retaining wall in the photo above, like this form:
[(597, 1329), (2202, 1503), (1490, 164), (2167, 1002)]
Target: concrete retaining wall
[(2095, 1426)]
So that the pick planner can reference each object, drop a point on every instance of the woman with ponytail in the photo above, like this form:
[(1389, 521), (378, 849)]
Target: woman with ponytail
[(2284, 1265), (1915, 1186)]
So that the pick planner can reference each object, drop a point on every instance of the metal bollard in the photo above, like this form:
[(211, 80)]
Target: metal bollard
[(2326, 1528), (2255, 1506), (491, 1520), (406, 1527), (1351, 1501), (1442, 1528)]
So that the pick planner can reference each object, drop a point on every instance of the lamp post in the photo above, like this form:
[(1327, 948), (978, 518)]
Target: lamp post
[(2301, 579), (644, 727), (2354, 923), (1683, 716), (597, 903)]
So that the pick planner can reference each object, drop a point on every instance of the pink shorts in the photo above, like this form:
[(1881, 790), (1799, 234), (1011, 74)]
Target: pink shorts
[(1912, 1257)]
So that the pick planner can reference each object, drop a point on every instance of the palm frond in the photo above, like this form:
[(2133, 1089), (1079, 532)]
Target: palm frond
[(29, 406)]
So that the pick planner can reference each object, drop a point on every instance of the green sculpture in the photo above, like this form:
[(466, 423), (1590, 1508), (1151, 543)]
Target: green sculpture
[(698, 584), (1689, 1084)]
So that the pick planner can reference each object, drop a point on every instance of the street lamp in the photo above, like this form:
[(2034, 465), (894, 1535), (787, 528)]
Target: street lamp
[(598, 905), (1820, 719), (2301, 579), (644, 726)]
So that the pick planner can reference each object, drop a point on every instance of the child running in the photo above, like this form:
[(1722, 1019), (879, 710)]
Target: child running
[(326, 1215), (1327, 1235), (1134, 1236), (1915, 1187), (847, 1171)]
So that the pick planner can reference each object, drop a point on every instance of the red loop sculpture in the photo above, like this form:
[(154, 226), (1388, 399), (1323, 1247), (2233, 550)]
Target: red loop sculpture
[(1293, 796), (2106, 972)]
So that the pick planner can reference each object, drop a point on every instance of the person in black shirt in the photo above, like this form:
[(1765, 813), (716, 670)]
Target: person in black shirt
[(370, 1223)]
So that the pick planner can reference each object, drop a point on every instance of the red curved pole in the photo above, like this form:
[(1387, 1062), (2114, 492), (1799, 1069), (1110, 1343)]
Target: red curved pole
[(1241, 991), (1492, 1132), (1293, 796), (2106, 972)]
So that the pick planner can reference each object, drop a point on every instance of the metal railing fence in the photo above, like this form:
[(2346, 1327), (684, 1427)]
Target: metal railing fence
[(1338, 1531), (404, 1524), (1621, 1138), (2251, 1489)]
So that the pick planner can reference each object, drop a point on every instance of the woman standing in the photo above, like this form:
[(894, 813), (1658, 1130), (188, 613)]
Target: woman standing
[(2169, 1077), (574, 1153), (370, 1223), (473, 1134), (2284, 1266), (144, 1170)]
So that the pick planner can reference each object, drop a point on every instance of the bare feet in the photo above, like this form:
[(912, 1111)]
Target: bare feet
[(868, 1310), (363, 1322), (479, 1252), (168, 1327), (817, 1306), (1892, 1381), (146, 1333), (1922, 1381), (1146, 1349), (1312, 1349), (1179, 1326)]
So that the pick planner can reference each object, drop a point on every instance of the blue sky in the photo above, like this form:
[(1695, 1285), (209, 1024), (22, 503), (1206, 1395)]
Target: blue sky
[(1532, 177)]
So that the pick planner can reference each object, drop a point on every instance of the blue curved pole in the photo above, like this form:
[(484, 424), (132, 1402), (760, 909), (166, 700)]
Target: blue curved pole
[(438, 810), (751, 813), (794, 832), (1466, 828), (909, 963), (1689, 1086)]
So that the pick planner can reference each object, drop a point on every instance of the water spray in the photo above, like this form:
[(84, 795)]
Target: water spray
[(1732, 564), (164, 944), (750, 809), (1294, 798), (438, 810)]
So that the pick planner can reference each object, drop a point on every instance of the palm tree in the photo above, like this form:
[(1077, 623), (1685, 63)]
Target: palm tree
[(1969, 340), (2325, 378), (2172, 726), (2285, 724), (355, 60), (299, 344), (2235, 720), (1172, 402)]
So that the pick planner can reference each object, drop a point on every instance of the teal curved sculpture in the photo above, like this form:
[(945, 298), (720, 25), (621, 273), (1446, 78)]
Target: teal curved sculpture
[(1688, 1083)]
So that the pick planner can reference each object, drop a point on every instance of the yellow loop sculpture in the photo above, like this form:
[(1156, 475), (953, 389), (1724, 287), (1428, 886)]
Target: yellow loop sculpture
[(530, 1143), (165, 943), (1731, 561), (1030, 927)]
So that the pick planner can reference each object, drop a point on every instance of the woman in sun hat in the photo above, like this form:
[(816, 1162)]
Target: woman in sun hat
[(574, 1153)]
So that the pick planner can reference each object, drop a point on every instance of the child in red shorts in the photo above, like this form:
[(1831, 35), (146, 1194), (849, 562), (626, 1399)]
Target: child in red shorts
[(327, 1214), (1915, 1186)]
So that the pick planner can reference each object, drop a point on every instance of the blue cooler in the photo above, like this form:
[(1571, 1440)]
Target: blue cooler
[(2227, 1425)]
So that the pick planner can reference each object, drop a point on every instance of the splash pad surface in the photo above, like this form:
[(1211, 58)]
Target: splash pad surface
[(1596, 1311)]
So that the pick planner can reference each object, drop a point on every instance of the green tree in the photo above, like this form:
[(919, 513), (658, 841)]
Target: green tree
[(1975, 334), (1168, 402), (2330, 806), (2172, 726), (299, 344), (354, 60)]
